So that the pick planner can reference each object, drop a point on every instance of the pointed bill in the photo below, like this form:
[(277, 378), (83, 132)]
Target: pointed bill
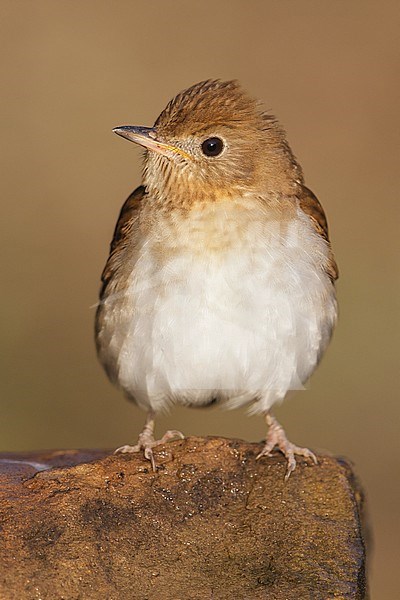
[(147, 137)]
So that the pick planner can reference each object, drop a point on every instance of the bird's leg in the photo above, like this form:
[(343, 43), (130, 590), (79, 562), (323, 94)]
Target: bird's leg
[(276, 436), (146, 441)]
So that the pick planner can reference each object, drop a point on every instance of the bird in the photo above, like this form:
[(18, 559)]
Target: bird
[(220, 282)]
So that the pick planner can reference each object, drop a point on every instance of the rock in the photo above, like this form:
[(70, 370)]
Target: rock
[(211, 523)]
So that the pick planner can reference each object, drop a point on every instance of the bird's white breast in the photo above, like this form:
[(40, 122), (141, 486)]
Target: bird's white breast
[(231, 302)]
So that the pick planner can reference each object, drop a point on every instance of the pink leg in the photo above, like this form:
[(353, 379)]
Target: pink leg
[(276, 436), (146, 441)]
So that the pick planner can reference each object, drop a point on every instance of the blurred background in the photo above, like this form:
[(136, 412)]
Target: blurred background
[(71, 71)]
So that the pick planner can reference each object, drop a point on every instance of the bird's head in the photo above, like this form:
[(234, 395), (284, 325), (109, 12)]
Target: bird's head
[(214, 142)]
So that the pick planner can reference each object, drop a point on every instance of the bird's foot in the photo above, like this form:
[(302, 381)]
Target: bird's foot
[(277, 437), (146, 442)]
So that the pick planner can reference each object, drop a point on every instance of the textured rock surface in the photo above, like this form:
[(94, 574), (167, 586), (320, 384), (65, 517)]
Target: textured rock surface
[(211, 523)]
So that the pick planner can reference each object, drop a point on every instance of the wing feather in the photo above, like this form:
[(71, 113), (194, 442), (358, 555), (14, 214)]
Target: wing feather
[(122, 231), (120, 241), (311, 206)]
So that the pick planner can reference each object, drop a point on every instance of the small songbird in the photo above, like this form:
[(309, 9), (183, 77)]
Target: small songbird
[(220, 281)]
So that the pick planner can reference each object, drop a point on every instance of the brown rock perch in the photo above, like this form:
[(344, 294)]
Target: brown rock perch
[(212, 523)]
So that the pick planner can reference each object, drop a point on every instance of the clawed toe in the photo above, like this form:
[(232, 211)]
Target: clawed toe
[(146, 441), (170, 435), (277, 437), (127, 449), (266, 451), (289, 450), (148, 454), (306, 453)]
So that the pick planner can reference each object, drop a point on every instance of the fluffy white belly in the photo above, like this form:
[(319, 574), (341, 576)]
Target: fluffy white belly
[(244, 321)]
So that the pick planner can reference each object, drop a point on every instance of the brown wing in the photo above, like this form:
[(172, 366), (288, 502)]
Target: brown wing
[(111, 276), (310, 205), (121, 235)]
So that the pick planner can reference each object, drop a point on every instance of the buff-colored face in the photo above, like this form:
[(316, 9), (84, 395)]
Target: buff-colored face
[(214, 141)]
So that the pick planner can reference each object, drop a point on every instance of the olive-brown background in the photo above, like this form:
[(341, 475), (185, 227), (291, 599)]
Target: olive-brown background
[(73, 70)]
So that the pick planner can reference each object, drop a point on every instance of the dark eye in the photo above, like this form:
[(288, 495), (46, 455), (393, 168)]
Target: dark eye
[(212, 146)]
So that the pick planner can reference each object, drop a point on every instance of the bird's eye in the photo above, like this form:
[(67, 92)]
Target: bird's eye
[(212, 146)]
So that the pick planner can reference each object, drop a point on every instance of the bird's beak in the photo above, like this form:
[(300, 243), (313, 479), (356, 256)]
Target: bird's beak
[(147, 137)]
